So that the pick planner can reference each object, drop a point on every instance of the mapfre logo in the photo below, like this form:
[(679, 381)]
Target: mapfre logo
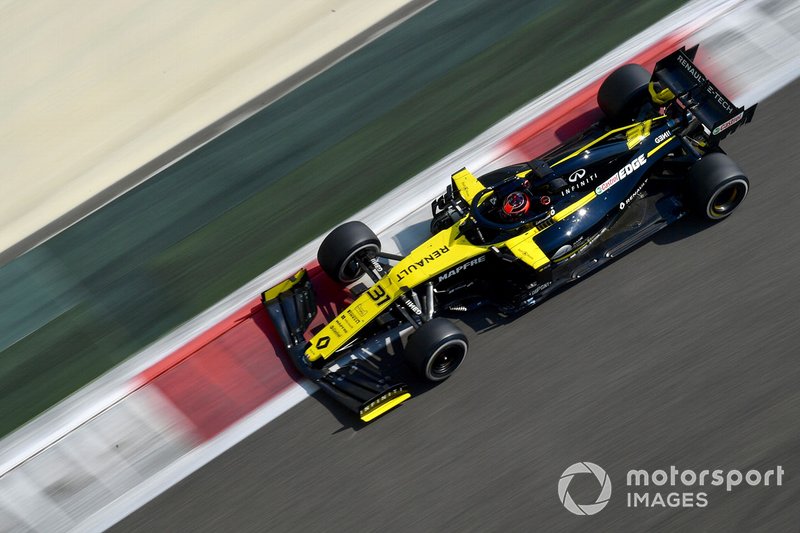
[(588, 508)]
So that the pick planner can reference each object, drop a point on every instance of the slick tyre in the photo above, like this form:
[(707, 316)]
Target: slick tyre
[(716, 186), (623, 92), (339, 252), (436, 349)]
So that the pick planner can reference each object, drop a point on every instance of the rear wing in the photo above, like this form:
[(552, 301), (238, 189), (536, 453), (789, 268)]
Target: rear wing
[(718, 115)]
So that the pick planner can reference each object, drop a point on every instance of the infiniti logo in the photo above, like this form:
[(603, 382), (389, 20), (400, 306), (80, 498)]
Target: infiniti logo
[(578, 174)]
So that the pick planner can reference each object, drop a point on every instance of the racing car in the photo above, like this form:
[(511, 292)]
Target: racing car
[(514, 236)]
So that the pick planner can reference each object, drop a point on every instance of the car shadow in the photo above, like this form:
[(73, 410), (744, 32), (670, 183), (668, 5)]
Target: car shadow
[(347, 418), (684, 228), (482, 320), (411, 236)]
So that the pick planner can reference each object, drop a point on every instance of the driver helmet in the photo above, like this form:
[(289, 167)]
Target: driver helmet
[(516, 204)]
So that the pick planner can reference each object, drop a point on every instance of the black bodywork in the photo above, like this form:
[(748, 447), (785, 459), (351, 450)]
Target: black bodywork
[(625, 214)]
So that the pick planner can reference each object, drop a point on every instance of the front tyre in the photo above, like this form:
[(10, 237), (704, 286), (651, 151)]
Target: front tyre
[(716, 186), (340, 251), (436, 349)]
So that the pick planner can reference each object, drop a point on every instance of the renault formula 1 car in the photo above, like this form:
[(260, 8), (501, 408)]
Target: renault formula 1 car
[(515, 235)]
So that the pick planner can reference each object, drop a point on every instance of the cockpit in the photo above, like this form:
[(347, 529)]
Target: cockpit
[(511, 201)]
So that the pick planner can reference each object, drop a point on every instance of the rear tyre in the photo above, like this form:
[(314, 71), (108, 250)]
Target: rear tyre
[(339, 252), (623, 92), (436, 349), (716, 186)]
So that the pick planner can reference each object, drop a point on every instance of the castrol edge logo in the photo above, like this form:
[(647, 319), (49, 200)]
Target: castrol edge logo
[(620, 174)]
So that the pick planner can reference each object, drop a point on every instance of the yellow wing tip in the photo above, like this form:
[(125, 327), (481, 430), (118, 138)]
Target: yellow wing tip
[(291, 281), (381, 406)]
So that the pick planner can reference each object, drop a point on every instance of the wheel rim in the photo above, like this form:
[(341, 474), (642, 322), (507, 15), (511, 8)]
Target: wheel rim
[(727, 198), (446, 359), (350, 270)]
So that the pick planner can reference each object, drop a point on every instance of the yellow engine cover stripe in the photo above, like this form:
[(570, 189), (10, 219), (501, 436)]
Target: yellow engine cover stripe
[(660, 146), (602, 137)]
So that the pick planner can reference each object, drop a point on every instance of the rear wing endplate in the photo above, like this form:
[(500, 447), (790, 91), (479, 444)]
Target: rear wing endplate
[(715, 111)]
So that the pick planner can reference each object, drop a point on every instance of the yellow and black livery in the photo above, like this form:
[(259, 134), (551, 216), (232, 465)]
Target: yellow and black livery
[(516, 235)]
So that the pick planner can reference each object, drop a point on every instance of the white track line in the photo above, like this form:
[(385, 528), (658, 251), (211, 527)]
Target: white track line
[(196, 459)]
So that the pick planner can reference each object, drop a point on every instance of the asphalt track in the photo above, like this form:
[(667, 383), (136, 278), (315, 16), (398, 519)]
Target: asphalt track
[(682, 353)]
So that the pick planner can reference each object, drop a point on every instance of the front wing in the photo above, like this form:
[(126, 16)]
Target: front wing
[(356, 379)]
